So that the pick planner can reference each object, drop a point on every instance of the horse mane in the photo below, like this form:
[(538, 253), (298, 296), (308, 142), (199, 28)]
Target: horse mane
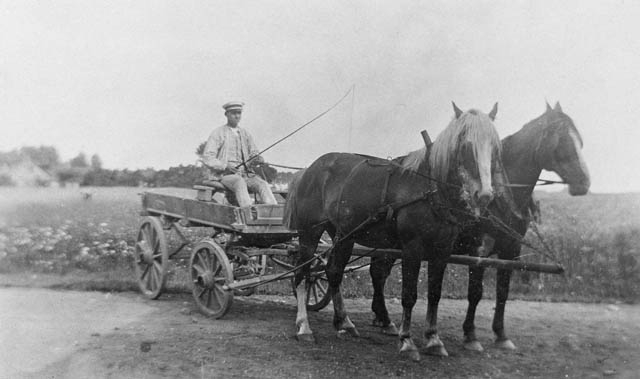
[(475, 126), (414, 159)]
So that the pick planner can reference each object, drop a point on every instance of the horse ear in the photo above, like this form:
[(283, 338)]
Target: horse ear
[(558, 107), (457, 110), (548, 107), (494, 112)]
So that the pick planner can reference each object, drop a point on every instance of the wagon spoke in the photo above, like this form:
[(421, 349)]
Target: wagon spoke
[(150, 240), (216, 294), (202, 293), (145, 233), (153, 235), (154, 278), (198, 268), (217, 269), (203, 260), (213, 263), (142, 238), (156, 246), (145, 272), (210, 292), (203, 254), (158, 267), (318, 285), (315, 293), (148, 282)]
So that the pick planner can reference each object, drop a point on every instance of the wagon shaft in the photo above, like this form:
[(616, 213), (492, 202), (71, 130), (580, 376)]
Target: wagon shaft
[(466, 260), (504, 264)]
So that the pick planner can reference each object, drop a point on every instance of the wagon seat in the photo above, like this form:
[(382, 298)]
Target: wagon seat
[(214, 190)]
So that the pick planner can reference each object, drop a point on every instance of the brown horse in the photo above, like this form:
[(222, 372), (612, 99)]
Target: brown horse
[(417, 208), (550, 142)]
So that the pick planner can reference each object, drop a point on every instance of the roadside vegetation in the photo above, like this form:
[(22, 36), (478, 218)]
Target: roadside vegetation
[(61, 237)]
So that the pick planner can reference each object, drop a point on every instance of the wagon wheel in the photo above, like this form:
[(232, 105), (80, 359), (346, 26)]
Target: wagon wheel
[(210, 271), (318, 291), (151, 258)]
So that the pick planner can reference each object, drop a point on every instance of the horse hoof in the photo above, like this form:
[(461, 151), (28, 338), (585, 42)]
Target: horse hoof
[(434, 346), (438, 351), (409, 349), (390, 330), (505, 344), (473, 346), (413, 355), (348, 332), (306, 338)]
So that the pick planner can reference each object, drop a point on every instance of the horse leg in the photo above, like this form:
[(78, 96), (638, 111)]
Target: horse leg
[(474, 290), (474, 295), (434, 345), (379, 269), (308, 245), (338, 259), (411, 261), (503, 279)]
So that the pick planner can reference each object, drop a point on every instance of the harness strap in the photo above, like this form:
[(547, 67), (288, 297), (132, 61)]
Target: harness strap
[(383, 194), (346, 180)]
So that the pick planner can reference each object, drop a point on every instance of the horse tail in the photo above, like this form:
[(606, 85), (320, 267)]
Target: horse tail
[(288, 218)]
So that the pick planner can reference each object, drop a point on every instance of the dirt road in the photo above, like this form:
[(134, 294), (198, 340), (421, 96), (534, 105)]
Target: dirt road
[(65, 334)]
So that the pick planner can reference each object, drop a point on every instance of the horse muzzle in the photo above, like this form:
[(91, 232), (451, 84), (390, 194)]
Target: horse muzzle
[(579, 189), (482, 198)]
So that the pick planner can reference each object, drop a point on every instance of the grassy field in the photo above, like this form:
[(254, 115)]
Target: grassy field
[(54, 237)]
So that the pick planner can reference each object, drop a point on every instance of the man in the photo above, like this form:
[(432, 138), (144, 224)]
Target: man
[(229, 153)]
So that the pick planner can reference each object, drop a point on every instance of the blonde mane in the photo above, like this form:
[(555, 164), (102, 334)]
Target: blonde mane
[(474, 125)]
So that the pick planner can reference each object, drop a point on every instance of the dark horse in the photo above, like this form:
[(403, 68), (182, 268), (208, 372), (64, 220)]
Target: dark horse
[(417, 207), (550, 142)]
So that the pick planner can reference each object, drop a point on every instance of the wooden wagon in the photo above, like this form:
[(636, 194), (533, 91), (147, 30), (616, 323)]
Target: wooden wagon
[(242, 243)]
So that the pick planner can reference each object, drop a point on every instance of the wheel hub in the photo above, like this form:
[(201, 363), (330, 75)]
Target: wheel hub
[(146, 255), (206, 280)]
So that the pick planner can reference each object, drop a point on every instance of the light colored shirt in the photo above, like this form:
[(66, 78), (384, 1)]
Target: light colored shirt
[(228, 145)]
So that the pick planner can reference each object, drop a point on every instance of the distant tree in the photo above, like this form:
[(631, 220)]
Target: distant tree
[(46, 157), (10, 158), (80, 161), (284, 177), (71, 174), (96, 162)]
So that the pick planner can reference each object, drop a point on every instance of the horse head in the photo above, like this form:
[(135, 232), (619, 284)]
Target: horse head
[(467, 154), (560, 150)]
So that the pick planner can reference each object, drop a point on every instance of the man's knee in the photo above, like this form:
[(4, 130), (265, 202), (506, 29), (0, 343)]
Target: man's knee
[(234, 182)]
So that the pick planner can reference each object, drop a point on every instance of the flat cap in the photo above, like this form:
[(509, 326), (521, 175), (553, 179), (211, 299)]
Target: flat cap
[(233, 105)]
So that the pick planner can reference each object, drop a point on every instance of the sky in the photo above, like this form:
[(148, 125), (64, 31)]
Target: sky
[(141, 83)]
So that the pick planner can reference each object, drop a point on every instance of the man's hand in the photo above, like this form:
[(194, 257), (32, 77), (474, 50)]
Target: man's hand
[(231, 169)]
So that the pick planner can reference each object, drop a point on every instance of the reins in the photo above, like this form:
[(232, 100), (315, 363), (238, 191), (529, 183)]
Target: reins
[(299, 128), (539, 182)]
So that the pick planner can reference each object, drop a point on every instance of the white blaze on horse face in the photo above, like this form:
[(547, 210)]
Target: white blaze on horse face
[(485, 192)]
